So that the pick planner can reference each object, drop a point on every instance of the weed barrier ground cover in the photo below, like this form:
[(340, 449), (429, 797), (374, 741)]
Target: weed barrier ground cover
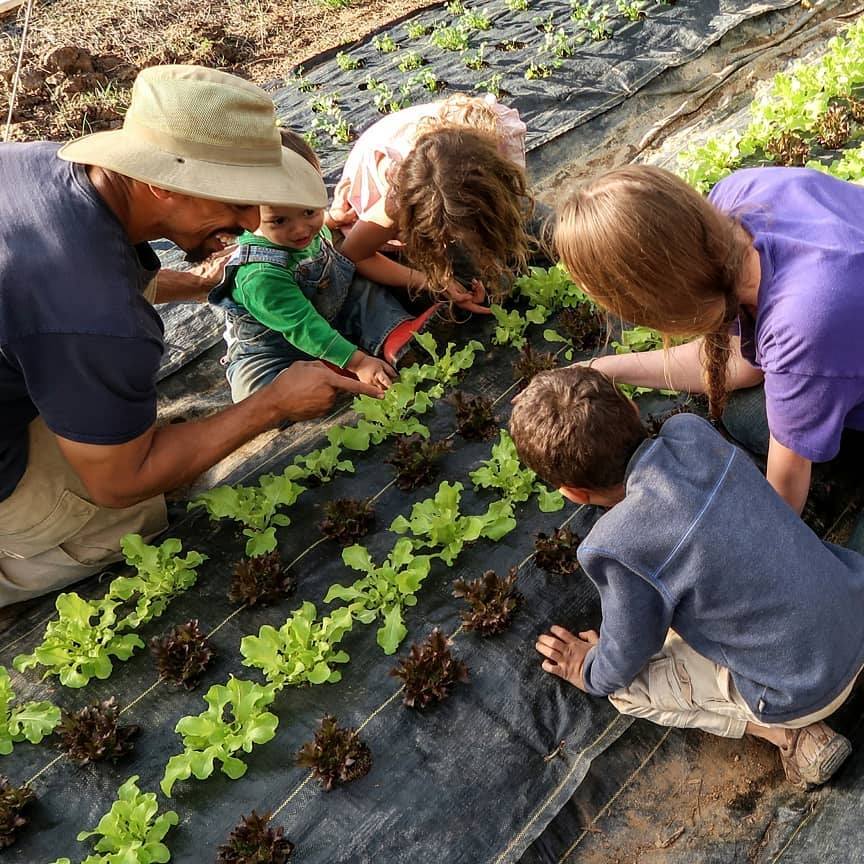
[(475, 778)]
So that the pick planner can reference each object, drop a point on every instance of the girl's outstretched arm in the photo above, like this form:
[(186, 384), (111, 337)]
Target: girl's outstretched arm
[(679, 368), (789, 474), (361, 246)]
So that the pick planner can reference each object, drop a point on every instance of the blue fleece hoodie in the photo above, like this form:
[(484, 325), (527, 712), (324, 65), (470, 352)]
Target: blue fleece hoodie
[(703, 544)]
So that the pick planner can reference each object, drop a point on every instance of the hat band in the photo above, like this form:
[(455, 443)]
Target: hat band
[(224, 154)]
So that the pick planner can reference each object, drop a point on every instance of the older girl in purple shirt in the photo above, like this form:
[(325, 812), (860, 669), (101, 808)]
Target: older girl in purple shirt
[(768, 272)]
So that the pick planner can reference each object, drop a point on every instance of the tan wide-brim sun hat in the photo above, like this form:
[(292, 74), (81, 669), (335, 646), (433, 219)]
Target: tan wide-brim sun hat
[(207, 134)]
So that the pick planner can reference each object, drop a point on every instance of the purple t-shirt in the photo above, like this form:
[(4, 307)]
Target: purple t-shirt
[(808, 228)]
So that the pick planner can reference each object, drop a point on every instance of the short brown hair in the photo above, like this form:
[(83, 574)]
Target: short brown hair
[(299, 145), (455, 187), (574, 427), (653, 251)]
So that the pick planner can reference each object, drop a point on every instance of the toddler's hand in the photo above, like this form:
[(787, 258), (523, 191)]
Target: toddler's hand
[(371, 370), (468, 300), (565, 653)]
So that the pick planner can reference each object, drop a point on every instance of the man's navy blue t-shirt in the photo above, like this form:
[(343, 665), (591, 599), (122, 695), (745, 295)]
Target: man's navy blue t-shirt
[(79, 344)]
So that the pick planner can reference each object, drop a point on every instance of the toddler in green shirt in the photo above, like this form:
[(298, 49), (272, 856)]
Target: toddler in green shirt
[(289, 295)]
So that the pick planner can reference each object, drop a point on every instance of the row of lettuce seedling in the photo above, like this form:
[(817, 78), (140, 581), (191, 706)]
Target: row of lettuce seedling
[(812, 101)]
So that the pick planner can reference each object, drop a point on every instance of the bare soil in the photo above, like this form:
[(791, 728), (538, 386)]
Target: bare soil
[(81, 56)]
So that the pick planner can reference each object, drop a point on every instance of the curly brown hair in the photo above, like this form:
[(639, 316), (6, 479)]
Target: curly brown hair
[(652, 250), (455, 190)]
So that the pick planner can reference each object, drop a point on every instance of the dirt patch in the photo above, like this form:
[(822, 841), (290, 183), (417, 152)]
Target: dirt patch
[(712, 790), (81, 57)]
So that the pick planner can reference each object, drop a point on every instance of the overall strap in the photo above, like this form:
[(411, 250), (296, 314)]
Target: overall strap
[(250, 254)]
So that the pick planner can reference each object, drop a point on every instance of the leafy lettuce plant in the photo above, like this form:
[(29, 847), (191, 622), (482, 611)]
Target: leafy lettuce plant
[(448, 365), (302, 651), (78, 645), (321, 465), (162, 574), (254, 507), (31, 721), (255, 841), (336, 754), (384, 591), (13, 799), (236, 720), (503, 471), (394, 414), (132, 831), (512, 326), (551, 289), (436, 523)]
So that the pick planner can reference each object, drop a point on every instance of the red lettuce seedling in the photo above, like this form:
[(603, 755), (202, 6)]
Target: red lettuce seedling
[(347, 520), (582, 326), (414, 460), (557, 553), (530, 362), (788, 148), (429, 671), (492, 601), (93, 733), (12, 801), (833, 127), (336, 755), (182, 654), (262, 579), (254, 841), (475, 416)]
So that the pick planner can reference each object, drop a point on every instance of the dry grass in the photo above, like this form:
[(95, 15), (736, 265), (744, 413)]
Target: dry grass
[(259, 39)]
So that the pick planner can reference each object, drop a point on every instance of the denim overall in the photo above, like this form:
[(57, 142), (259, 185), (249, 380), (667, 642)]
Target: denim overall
[(362, 311)]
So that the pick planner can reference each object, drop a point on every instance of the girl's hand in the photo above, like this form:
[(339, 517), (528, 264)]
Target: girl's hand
[(371, 370), (468, 300), (339, 217)]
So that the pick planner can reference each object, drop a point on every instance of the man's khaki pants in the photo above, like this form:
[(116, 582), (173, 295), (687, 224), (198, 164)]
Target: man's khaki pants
[(680, 687), (51, 534)]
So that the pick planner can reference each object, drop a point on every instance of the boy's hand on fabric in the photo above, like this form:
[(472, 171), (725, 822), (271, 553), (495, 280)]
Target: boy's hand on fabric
[(371, 370), (565, 652), (471, 300), (308, 389)]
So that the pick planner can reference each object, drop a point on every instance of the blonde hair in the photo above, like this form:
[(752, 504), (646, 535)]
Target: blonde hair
[(649, 248), (455, 188)]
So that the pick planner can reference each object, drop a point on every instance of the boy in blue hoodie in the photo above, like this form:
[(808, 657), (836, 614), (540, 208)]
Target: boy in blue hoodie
[(722, 610)]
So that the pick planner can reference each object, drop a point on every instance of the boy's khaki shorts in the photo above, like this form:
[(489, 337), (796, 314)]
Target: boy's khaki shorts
[(51, 534), (680, 687)]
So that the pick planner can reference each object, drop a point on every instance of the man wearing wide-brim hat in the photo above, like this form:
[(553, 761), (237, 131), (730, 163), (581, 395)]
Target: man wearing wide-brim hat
[(82, 461)]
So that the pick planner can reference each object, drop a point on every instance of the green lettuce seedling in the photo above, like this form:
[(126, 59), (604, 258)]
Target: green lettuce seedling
[(235, 721), (436, 523), (321, 465), (384, 591), (78, 645), (550, 289), (255, 507), (504, 472), (448, 365), (394, 413), (31, 721), (132, 831), (303, 650), (511, 326), (162, 574)]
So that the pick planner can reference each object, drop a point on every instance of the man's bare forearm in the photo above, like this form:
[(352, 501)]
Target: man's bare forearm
[(173, 286)]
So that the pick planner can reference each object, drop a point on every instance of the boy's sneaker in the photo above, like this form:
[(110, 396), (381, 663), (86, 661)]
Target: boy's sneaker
[(813, 754), (399, 337)]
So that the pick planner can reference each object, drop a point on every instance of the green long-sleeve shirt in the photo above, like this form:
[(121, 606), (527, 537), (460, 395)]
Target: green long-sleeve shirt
[(271, 294)]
